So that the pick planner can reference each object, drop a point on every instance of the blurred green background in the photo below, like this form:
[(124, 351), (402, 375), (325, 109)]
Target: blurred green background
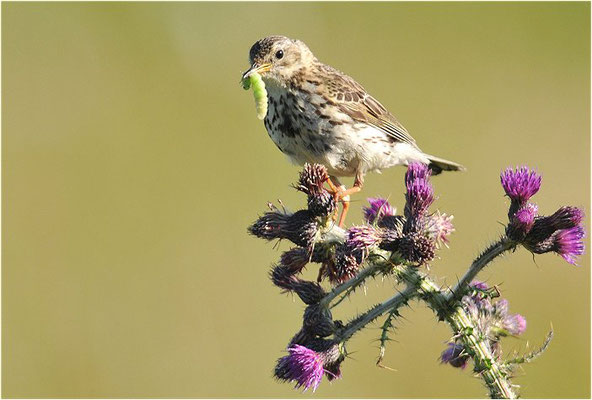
[(133, 163)]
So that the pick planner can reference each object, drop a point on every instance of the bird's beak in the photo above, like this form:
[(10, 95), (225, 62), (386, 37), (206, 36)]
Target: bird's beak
[(256, 68)]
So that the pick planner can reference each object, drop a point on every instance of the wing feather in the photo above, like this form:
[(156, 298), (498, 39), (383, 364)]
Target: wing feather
[(353, 100)]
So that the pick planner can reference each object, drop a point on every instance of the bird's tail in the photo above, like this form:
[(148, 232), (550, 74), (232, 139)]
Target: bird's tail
[(438, 165)]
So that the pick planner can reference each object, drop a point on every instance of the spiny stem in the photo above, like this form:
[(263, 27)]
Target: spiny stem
[(344, 296), (361, 321), (386, 326), (502, 245), (350, 284), (499, 386), (497, 383), (526, 358), (442, 302)]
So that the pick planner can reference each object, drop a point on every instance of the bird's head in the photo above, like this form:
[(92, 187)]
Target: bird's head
[(278, 58)]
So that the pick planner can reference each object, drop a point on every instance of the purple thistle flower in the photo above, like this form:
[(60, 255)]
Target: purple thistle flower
[(419, 196), (501, 308), (545, 227), (520, 184), (439, 227), (303, 366), (515, 324), (417, 171), (565, 217), (378, 209), (561, 232), (568, 243), (362, 238), (522, 222), (350, 255), (455, 356), (525, 216), (477, 305)]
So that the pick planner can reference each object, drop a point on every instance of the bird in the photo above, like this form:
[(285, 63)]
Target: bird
[(318, 114)]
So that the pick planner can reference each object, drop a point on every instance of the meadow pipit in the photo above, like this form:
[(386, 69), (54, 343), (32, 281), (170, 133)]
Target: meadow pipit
[(317, 114)]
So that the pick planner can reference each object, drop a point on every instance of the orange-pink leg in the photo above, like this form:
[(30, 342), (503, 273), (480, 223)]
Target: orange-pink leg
[(342, 194)]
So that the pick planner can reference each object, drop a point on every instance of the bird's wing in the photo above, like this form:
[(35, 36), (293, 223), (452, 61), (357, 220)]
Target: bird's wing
[(353, 100)]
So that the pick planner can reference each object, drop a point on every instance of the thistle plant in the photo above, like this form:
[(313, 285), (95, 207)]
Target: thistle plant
[(402, 247)]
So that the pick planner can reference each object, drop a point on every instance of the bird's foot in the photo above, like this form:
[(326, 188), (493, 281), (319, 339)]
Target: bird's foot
[(341, 195)]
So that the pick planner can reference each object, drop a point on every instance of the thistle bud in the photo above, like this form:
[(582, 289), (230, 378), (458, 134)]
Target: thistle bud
[(392, 223), (312, 178), (295, 259), (416, 248), (309, 292), (455, 356), (345, 267), (283, 277), (300, 227), (321, 204), (521, 222), (318, 320)]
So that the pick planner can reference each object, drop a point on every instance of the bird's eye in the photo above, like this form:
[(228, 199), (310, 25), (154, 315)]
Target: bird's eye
[(279, 54)]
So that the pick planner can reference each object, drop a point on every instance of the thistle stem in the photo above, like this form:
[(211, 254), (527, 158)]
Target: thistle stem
[(499, 386), (350, 283), (502, 245), (361, 321), (439, 300)]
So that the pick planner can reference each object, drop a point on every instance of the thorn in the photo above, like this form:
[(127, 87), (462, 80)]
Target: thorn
[(281, 203), (379, 364), (276, 245), (534, 261), (497, 291)]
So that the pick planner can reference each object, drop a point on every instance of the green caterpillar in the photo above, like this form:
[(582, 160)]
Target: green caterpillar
[(259, 93)]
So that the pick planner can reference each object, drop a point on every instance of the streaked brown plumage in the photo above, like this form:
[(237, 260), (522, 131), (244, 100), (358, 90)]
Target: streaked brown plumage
[(317, 114)]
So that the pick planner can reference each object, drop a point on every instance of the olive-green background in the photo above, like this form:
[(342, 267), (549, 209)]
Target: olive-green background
[(133, 163)]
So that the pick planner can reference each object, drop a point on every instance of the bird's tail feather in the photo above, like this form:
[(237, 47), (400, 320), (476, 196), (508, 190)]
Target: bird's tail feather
[(438, 165)]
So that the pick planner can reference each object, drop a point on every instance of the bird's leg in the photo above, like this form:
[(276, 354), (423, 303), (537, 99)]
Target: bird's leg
[(342, 194), (335, 188), (345, 200)]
